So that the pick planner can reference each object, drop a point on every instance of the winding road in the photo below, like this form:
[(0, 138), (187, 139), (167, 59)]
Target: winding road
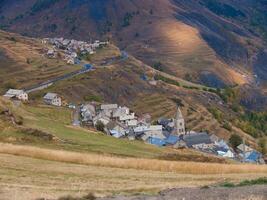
[(124, 56)]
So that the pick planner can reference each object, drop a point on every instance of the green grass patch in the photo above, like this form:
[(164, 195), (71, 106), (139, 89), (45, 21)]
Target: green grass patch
[(57, 121), (95, 98), (227, 184), (167, 80), (259, 181)]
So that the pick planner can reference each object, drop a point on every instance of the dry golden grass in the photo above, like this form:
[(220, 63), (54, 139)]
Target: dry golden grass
[(130, 163), (27, 178)]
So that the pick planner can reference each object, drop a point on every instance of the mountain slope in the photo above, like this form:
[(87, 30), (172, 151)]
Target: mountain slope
[(213, 42), (122, 82)]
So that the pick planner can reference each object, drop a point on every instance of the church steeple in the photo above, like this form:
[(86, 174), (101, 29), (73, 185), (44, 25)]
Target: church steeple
[(179, 123), (179, 114)]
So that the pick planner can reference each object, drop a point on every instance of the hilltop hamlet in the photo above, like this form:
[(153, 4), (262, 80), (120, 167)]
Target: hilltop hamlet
[(73, 50), (120, 122)]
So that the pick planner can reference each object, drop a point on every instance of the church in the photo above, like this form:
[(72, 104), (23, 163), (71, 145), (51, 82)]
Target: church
[(179, 123)]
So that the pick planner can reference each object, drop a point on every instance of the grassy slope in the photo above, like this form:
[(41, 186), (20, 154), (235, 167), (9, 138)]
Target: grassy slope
[(58, 122)]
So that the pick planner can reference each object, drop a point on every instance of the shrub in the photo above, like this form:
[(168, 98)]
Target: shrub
[(127, 19), (42, 5), (259, 181), (217, 114), (13, 39), (87, 197), (223, 9), (158, 66), (136, 35), (227, 126), (227, 184), (100, 126), (189, 77), (167, 80), (235, 140), (93, 98), (263, 146), (11, 84)]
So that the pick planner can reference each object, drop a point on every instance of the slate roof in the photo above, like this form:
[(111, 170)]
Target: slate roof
[(172, 139), (156, 141), (116, 133), (198, 138), (88, 66), (222, 149), (13, 92), (108, 106), (164, 121), (50, 96), (254, 156)]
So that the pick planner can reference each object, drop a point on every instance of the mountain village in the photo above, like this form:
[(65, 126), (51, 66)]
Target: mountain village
[(120, 122), (72, 49)]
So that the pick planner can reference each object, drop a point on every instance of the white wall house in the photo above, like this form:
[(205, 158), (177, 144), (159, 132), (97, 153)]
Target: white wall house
[(120, 111), (16, 94), (127, 117), (52, 99), (108, 106), (155, 131)]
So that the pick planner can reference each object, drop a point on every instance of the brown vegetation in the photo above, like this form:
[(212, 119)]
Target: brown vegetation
[(131, 163)]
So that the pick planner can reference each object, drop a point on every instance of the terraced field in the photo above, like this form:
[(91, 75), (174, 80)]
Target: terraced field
[(23, 62), (182, 51)]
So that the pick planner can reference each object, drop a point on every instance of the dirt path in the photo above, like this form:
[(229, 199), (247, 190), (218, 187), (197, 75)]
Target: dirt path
[(239, 193)]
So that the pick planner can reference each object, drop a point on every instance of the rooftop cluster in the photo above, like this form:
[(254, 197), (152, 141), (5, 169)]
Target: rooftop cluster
[(120, 122), (73, 50)]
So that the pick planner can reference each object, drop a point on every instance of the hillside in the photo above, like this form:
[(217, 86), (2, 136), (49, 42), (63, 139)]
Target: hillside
[(121, 82), (75, 160), (23, 63), (207, 57), (212, 42)]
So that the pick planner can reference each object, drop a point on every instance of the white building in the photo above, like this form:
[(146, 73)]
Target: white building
[(120, 111), (88, 112), (125, 118), (132, 123), (228, 154), (104, 119), (52, 99), (16, 94), (51, 53), (109, 106), (155, 131)]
